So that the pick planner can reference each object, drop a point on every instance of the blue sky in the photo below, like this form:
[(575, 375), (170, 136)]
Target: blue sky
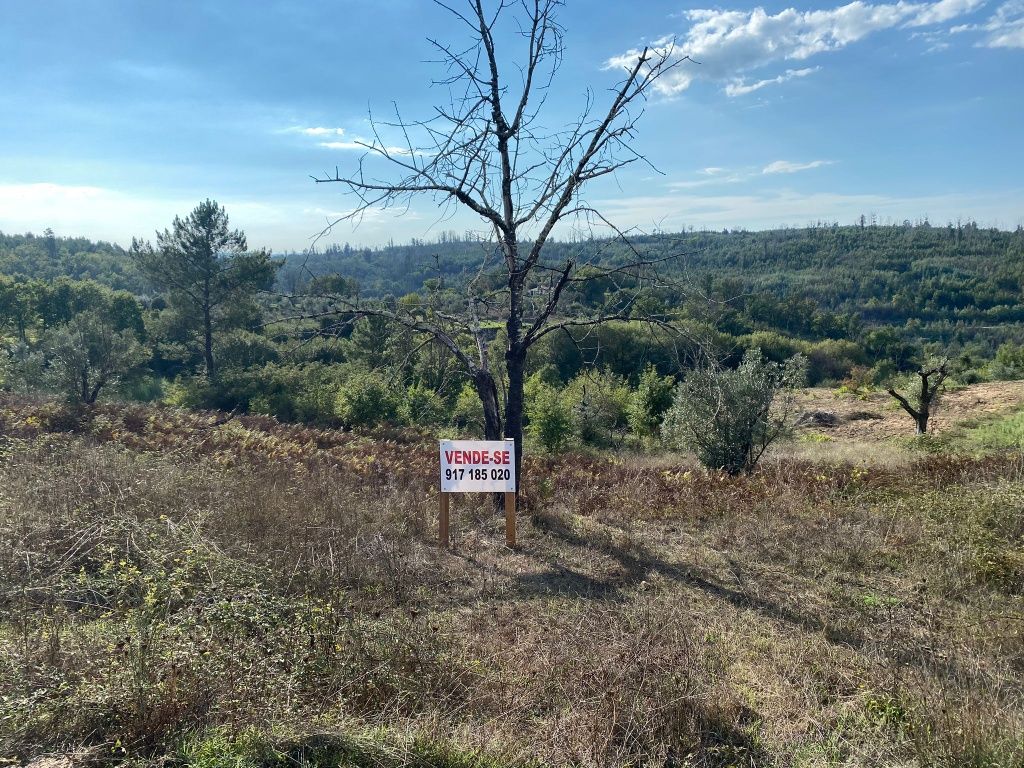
[(117, 115)]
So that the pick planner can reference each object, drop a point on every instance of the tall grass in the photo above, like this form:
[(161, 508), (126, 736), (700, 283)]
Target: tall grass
[(251, 594)]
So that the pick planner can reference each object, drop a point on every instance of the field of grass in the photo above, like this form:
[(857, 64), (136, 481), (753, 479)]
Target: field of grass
[(180, 591)]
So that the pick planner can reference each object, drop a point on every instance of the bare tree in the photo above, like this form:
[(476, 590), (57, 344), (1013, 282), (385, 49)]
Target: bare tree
[(486, 150), (924, 393)]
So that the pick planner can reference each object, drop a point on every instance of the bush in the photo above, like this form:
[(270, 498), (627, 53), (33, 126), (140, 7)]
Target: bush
[(600, 406), (244, 349), (727, 416), (833, 360), (88, 354), (773, 345), (550, 415), (422, 406), (366, 399), (1008, 363), (650, 401), (469, 411), (301, 393)]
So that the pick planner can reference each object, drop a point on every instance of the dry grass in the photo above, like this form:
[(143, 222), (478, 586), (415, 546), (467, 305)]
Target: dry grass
[(875, 417), (253, 594)]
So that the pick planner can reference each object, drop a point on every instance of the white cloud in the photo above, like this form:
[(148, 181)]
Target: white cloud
[(786, 166), (363, 145), (712, 177), (944, 10), (117, 215), (1012, 37), (351, 143), (356, 144), (771, 209), (729, 43), (741, 88), (1006, 27), (316, 131)]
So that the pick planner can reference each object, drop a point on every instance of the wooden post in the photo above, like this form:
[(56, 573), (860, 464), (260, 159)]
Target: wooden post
[(510, 519), (442, 521)]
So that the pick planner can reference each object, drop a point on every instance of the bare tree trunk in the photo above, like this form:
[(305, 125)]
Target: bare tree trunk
[(923, 423), (207, 335), (487, 391), (515, 360), (922, 419), (931, 386)]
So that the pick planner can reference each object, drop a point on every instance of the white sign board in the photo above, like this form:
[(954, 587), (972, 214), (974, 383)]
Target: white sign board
[(474, 466)]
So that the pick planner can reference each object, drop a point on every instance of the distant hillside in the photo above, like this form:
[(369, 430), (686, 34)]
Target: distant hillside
[(951, 283), (47, 257), (945, 282)]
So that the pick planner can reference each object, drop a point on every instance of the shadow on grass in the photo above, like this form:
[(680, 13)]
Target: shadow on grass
[(640, 563), (372, 750)]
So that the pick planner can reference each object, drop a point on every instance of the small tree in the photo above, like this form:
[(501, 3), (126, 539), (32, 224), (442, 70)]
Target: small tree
[(550, 416), (730, 417), (650, 401), (87, 354), (206, 270), (366, 399), (599, 403), (922, 394)]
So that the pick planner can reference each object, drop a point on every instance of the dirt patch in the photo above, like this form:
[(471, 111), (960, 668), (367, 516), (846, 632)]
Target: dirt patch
[(877, 417)]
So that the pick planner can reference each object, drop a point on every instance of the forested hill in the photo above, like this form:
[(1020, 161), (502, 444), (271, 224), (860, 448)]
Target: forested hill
[(939, 279), (892, 272), (47, 257)]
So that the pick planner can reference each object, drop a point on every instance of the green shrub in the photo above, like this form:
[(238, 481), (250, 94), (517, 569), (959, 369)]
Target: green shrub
[(833, 360), (422, 406), (600, 406), (773, 345), (550, 416), (366, 399), (244, 349), (650, 401), (297, 393), (1008, 363), (729, 417), (468, 413), (89, 354)]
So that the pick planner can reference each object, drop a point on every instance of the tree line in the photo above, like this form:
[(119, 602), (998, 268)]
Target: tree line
[(206, 330)]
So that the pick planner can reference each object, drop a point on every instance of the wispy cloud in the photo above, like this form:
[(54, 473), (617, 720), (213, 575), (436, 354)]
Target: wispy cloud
[(741, 88), (1005, 28), (786, 166), (787, 207), (351, 143), (729, 43), (942, 11), (711, 177), (363, 145), (316, 131)]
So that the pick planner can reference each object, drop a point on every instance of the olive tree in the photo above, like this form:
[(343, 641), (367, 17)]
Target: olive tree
[(921, 394), (729, 417), (88, 354)]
